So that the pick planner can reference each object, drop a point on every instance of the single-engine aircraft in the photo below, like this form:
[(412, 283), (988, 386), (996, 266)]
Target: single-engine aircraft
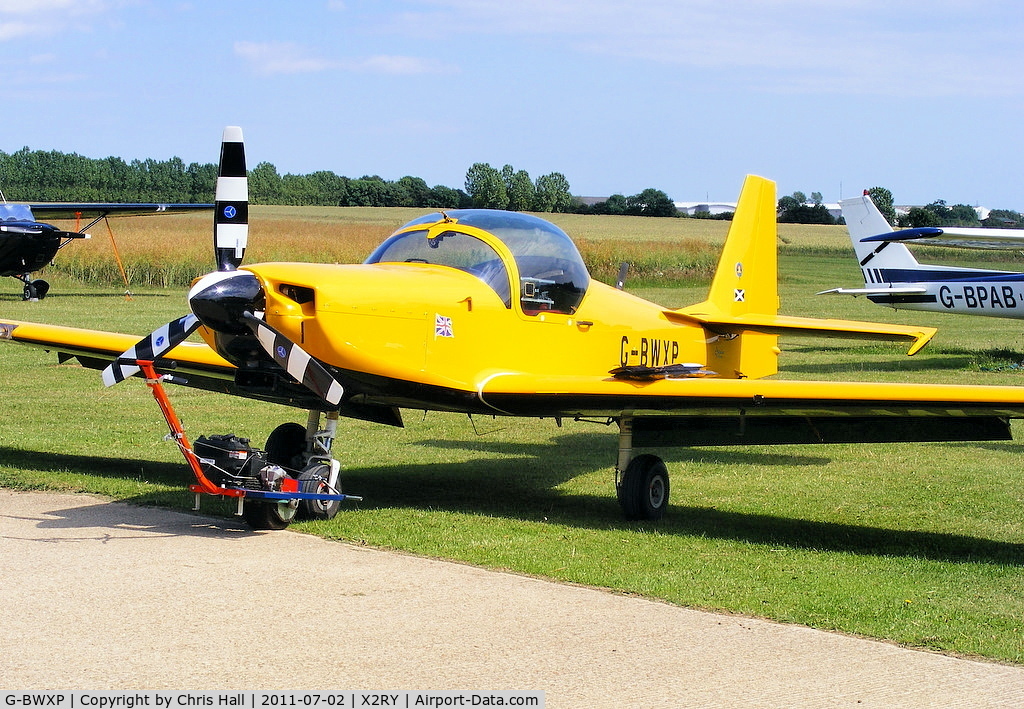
[(27, 245), (894, 278), (492, 312)]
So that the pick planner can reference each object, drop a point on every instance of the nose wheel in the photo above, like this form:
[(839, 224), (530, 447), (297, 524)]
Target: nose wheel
[(308, 449), (34, 290)]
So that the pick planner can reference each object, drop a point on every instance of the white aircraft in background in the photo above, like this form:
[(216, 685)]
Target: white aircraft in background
[(893, 277)]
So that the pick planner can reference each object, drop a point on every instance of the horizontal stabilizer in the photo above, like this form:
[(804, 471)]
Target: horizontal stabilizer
[(895, 290), (808, 327)]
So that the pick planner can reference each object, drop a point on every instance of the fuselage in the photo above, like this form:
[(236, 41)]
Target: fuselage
[(443, 327), (454, 301), (22, 253), (950, 290)]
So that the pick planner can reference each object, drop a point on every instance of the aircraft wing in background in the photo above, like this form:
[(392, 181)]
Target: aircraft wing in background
[(959, 237), (91, 210)]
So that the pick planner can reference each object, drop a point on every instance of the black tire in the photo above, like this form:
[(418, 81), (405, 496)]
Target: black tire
[(268, 515), (42, 288), (643, 488), (29, 292), (286, 446), (314, 479)]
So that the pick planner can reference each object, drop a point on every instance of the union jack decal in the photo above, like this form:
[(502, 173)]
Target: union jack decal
[(443, 326)]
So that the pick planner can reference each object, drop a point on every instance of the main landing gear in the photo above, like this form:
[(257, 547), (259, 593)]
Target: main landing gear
[(641, 483)]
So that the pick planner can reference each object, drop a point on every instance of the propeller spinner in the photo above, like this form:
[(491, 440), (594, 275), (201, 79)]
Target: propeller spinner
[(227, 301)]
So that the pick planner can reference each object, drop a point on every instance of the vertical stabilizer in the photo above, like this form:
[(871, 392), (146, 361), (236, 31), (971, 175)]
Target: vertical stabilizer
[(746, 280), (863, 220), (745, 283)]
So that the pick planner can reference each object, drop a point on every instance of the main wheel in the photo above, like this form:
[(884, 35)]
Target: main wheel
[(269, 515), (643, 488), (314, 479), (286, 446)]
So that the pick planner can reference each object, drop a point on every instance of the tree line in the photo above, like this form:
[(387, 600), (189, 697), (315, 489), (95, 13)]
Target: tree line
[(53, 176), (797, 208)]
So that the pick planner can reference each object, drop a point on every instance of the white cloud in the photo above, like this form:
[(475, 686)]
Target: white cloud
[(397, 65), (38, 7), (933, 48), (46, 17), (289, 58), (279, 58), (11, 30)]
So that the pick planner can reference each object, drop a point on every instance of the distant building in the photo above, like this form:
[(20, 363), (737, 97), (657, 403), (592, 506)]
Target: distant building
[(692, 208)]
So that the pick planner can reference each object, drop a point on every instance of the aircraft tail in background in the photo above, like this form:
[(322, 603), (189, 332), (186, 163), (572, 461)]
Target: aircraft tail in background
[(876, 259), (894, 278)]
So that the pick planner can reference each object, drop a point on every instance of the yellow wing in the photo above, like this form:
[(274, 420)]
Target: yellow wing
[(198, 363), (708, 411)]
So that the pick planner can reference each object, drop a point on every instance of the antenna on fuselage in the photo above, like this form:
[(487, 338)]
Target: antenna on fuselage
[(620, 282)]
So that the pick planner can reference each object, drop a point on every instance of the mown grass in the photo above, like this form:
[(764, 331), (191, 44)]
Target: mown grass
[(920, 544)]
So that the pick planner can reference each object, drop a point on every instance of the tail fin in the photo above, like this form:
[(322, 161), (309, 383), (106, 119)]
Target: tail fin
[(746, 280), (745, 284), (740, 316), (863, 220)]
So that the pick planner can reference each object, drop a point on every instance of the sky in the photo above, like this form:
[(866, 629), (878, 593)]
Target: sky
[(686, 96)]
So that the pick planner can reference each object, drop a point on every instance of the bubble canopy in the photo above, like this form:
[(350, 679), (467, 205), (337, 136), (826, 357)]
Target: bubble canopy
[(551, 274)]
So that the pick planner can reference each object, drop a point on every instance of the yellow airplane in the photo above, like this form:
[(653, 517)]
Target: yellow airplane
[(492, 312)]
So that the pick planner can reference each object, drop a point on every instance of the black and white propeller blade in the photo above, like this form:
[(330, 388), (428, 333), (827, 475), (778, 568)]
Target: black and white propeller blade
[(231, 208), (296, 361), (153, 346)]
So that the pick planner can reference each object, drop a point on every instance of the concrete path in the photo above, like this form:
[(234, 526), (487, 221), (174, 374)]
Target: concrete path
[(98, 595)]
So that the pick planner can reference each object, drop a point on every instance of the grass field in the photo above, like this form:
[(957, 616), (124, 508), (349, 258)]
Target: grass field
[(920, 544)]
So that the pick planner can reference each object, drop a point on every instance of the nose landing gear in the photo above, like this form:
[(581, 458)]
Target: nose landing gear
[(296, 478), (34, 289)]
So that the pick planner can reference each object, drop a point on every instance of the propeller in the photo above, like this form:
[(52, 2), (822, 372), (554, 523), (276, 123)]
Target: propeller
[(152, 346), (296, 361), (227, 301)]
